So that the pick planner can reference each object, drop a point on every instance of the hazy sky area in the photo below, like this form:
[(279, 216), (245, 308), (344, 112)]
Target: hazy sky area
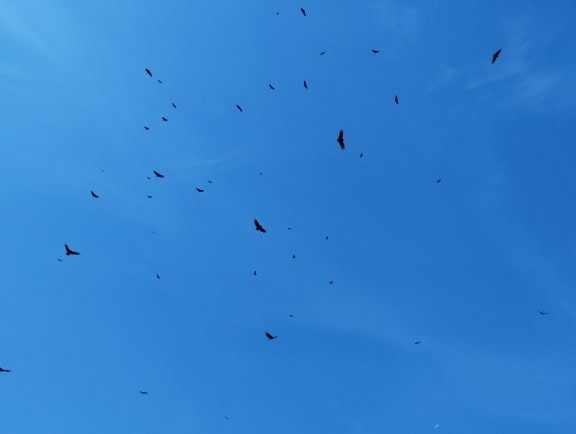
[(454, 228)]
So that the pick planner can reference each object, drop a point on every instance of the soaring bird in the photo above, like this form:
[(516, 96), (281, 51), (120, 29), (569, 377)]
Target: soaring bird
[(173, 105), (322, 53), (303, 11), (59, 259), (160, 81), (439, 180), (210, 182), (340, 139), (255, 274), (259, 227), (293, 256), (5, 370), (146, 128), (375, 51), (496, 54), (199, 190), (158, 174), (143, 392), (149, 196), (396, 99), (239, 108), (541, 312), (417, 343), (157, 276), (361, 154), (331, 282), (164, 118), (69, 251), (94, 194), (305, 85), (148, 72), (271, 87), (270, 337)]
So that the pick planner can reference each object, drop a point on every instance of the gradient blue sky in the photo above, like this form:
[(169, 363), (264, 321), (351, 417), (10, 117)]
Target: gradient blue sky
[(462, 265)]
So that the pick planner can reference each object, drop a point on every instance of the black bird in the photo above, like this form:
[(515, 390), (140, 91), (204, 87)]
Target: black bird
[(239, 108), (199, 190), (293, 256), (59, 260), (160, 81), (146, 128), (255, 274), (173, 105), (303, 11), (289, 229), (158, 174), (541, 312), (164, 118), (210, 182), (148, 72), (417, 343), (157, 276), (271, 87), (305, 85), (326, 237), (331, 282), (496, 54), (143, 392), (69, 251), (439, 180), (291, 315), (5, 370), (340, 139), (270, 337), (396, 99), (148, 196), (94, 194), (361, 154), (322, 53), (259, 227), (148, 177), (375, 51)]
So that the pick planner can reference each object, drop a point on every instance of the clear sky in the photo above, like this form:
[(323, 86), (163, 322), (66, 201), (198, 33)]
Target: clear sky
[(462, 265)]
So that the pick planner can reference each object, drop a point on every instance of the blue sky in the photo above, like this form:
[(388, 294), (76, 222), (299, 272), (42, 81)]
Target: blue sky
[(462, 265)]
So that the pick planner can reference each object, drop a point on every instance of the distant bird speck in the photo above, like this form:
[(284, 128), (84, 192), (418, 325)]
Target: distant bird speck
[(293, 256), (496, 54), (259, 227), (173, 105), (59, 259), (303, 11), (375, 51), (160, 81), (270, 337), (210, 182), (164, 118), (541, 312), (255, 274), (4, 370), (305, 85), (417, 343), (322, 53), (158, 174), (361, 155), (439, 180), (69, 251), (149, 196), (157, 276), (199, 190), (146, 128), (291, 315), (340, 139), (148, 72), (331, 282), (239, 108), (271, 87), (396, 99), (94, 194), (143, 392), (326, 237)]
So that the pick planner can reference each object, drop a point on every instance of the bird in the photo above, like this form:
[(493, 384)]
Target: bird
[(291, 315), (69, 251), (303, 11), (293, 256), (417, 343), (254, 273), (173, 105), (439, 180), (148, 72), (59, 259), (322, 53), (496, 54), (5, 370), (239, 108), (94, 194), (149, 196), (259, 227), (157, 276), (375, 51), (271, 87), (361, 154), (331, 282), (199, 190), (541, 312), (160, 81), (210, 182), (396, 99), (143, 392), (326, 237), (305, 85), (164, 118), (289, 229), (340, 139), (158, 174), (146, 128), (270, 337)]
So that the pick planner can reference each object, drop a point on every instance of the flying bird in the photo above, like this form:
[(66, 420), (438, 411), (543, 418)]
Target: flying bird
[(396, 99), (160, 81), (148, 72), (541, 312), (157, 276), (417, 343), (291, 315), (259, 227), (164, 118), (143, 392), (375, 51), (340, 139), (326, 237), (271, 87), (94, 194), (148, 196), (5, 370), (210, 182), (255, 274), (331, 282), (146, 128), (173, 105), (496, 54), (303, 11), (305, 85), (59, 259), (322, 53), (69, 251), (199, 190), (270, 337), (293, 256), (439, 180), (361, 154), (239, 108), (158, 174)]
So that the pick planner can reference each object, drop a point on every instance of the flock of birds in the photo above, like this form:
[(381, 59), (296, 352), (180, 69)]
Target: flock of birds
[(257, 225)]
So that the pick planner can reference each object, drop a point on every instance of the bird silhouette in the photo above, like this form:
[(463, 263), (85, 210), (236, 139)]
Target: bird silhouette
[(496, 54), (303, 11), (5, 370), (305, 85), (417, 343), (146, 128), (148, 196), (271, 87), (59, 259), (340, 139), (239, 108), (143, 392), (291, 315), (331, 282), (326, 237), (69, 251), (322, 53), (375, 51), (94, 194), (199, 190), (160, 81), (293, 256), (148, 72), (396, 99), (361, 154), (164, 118), (254, 273), (439, 180), (158, 174), (173, 105), (270, 337), (259, 227), (541, 312), (157, 276), (210, 182)]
